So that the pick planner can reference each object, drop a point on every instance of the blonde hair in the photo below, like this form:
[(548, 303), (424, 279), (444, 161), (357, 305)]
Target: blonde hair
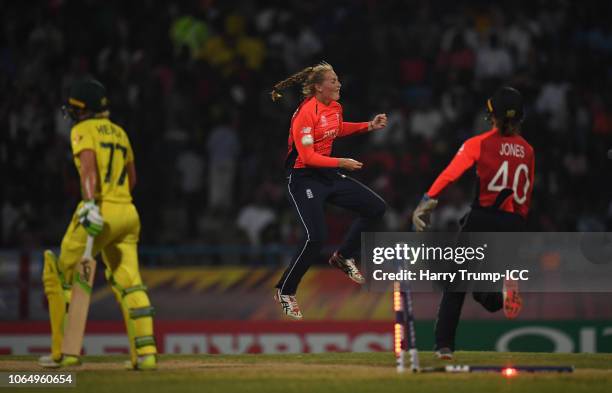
[(308, 77)]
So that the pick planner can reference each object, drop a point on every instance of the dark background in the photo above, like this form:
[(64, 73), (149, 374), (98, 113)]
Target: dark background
[(189, 81)]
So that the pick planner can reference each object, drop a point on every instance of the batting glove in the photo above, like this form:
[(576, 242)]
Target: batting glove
[(90, 218), (420, 217)]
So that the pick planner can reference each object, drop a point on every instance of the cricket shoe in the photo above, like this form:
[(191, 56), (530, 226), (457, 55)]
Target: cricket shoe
[(47, 361), (347, 265), (143, 363), (444, 354), (289, 305), (513, 303)]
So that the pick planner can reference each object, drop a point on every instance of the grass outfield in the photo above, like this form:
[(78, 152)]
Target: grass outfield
[(330, 372)]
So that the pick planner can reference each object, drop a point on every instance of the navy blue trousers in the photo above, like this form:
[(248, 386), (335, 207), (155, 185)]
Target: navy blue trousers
[(308, 191)]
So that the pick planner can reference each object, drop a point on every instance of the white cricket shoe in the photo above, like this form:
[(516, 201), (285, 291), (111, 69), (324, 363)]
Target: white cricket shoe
[(347, 265), (47, 361), (289, 305)]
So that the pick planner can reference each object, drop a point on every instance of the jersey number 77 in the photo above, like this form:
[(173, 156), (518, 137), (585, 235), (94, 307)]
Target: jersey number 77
[(111, 147)]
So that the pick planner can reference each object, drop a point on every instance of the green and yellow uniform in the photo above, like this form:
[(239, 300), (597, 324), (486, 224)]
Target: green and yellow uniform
[(118, 241)]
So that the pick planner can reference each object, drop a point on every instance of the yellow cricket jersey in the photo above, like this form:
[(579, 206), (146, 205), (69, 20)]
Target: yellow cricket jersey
[(113, 151)]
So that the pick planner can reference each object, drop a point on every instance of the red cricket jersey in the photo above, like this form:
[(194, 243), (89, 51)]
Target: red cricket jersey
[(321, 124), (502, 162)]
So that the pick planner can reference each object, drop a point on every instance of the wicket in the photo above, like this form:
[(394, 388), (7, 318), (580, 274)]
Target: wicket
[(404, 331)]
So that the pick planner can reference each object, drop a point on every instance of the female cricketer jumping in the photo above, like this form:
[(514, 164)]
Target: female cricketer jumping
[(505, 170), (105, 161), (314, 178)]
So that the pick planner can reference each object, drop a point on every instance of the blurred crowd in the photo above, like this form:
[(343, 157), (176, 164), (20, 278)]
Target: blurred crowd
[(190, 82)]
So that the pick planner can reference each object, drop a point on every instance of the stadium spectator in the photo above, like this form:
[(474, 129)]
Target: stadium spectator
[(191, 167), (223, 148), (175, 67)]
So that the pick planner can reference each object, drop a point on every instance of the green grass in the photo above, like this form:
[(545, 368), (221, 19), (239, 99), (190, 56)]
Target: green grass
[(332, 372)]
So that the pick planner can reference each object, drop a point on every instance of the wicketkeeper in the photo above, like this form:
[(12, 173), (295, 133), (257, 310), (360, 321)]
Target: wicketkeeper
[(504, 163)]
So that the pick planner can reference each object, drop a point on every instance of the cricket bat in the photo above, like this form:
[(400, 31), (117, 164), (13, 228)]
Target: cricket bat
[(74, 330)]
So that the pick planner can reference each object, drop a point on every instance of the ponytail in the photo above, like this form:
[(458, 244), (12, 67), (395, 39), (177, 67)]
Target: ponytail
[(298, 77), (308, 77)]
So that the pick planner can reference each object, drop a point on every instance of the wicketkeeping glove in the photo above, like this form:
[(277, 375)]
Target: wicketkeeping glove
[(90, 218), (420, 217)]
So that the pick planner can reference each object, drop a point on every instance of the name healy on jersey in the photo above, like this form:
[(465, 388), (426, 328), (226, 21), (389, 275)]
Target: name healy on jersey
[(512, 149), (102, 129)]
